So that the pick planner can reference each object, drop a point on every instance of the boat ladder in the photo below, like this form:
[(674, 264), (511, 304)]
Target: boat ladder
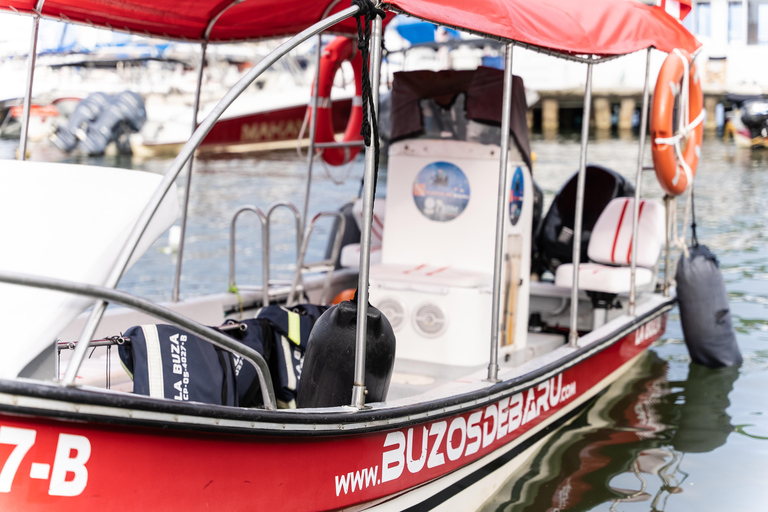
[(273, 290)]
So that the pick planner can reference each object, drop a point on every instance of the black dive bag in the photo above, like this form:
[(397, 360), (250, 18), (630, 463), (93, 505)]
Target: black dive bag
[(167, 362), (290, 328)]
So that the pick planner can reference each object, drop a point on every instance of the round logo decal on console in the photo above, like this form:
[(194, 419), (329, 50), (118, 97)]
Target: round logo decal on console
[(516, 192), (441, 191)]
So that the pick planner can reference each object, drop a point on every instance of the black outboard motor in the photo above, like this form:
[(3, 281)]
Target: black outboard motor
[(554, 242), (124, 115), (329, 363), (85, 113), (755, 117), (704, 310)]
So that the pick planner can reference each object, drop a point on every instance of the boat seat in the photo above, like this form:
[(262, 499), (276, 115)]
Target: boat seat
[(350, 253), (610, 249)]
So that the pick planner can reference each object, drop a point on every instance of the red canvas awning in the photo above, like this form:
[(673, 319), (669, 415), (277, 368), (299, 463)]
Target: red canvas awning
[(188, 19), (574, 27), (577, 27)]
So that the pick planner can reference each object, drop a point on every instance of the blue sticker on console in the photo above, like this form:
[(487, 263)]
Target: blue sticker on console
[(516, 193), (441, 191)]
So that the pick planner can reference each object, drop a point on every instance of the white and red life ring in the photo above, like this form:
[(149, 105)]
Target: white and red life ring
[(675, 166), (334, 53)]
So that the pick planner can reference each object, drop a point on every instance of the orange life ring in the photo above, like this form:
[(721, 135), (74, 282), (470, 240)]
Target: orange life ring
[(670, 172), (334, 53)]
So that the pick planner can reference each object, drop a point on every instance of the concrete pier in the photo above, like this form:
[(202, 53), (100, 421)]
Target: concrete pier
[(559, 111), (550, 115)]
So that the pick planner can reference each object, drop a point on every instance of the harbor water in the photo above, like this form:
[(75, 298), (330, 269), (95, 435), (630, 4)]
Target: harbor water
[(668, 436)]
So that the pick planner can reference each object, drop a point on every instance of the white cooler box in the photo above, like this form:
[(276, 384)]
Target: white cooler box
[(421, 302)]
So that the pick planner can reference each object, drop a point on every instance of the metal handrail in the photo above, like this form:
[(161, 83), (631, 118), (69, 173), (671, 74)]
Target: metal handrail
[(297, 216), (126, 299), (340, 144), (328, 264), (264, 250), (189, 148)]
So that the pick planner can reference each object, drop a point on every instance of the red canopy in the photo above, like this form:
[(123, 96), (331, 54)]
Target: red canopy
[(586, 27), (571, 27)]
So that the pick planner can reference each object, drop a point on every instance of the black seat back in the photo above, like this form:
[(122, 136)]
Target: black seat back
[(554, 240)]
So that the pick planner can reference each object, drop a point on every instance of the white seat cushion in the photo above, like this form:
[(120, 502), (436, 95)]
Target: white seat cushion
[(379, 214), (611, 239), (350, 256), (602, 278)]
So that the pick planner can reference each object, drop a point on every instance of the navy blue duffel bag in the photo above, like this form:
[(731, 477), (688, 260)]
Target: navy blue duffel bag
[(167, 362)]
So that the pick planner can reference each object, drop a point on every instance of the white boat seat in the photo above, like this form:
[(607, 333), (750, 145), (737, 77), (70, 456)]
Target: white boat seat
[(379, 214), (610, 248), (602, 278), (350, 253), (611, 239), (350, 256)]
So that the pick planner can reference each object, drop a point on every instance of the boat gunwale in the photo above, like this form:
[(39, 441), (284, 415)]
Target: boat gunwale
[(290, 423)]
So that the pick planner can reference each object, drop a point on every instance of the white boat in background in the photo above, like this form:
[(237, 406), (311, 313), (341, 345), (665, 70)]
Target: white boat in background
[(464, 366)]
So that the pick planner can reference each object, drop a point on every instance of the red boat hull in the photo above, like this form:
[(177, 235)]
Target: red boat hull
[(270, 126), (51, 464)]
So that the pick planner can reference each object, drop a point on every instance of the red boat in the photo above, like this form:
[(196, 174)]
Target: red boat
[(462, 363)]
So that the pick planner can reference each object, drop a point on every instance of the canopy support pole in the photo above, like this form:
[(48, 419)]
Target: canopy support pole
[(185, 210), (312, 134), (573, 338), (669, 203), (639, 186), (31, 59), (358, 388), (173, 172), (501, 219)]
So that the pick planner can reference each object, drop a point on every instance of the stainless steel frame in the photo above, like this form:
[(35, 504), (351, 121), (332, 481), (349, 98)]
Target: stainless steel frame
[(32, 58), (264, 250), (185, 208), (669, 203), (639, 186), (573, 337), (358, 388), (312, 134), (501, 218), (328, 265), (174, 170)]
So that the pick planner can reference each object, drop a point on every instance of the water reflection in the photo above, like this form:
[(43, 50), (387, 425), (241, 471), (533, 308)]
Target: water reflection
[(629, 445)]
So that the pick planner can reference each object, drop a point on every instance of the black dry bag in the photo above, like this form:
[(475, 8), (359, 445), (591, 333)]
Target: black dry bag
[(329, 364), (704, 310)]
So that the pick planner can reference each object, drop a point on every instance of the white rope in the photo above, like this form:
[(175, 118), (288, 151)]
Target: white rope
[(669, 141), (301, 134), (346, 174)]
